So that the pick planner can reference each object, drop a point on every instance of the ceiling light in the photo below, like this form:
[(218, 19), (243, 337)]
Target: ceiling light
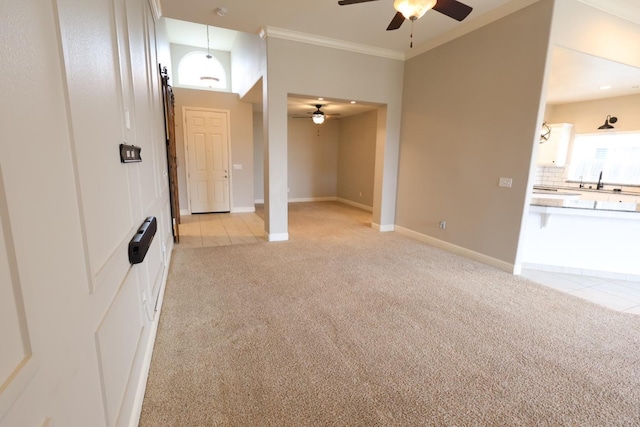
[(221, 11), (320, 99), (606, 124), (318, 116), (353, 102), (413, 9), (605, 87)]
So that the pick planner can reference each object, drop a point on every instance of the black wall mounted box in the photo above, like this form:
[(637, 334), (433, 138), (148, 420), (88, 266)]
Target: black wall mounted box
[(139, 244)]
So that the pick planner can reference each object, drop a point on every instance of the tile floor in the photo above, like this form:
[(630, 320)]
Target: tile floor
[(220, 229), (620, 295), (201, 230)]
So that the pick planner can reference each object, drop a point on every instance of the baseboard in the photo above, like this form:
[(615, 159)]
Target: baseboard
[(459, 250), (355, 204), (184, 212), (582, 272), (278, 237), (134, 420), (247, 209), (383, 228), (313, 199)]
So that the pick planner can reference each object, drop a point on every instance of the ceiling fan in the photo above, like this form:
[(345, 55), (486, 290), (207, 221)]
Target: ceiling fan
[(317, 116), (415, 9)]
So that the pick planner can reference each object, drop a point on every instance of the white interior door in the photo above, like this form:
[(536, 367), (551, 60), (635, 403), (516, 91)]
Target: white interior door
[(208, 156)]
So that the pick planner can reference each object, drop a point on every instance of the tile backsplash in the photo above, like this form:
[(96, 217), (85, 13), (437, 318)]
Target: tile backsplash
[(549, 176)]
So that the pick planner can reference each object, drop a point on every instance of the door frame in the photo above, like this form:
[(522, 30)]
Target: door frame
[(186, 154)]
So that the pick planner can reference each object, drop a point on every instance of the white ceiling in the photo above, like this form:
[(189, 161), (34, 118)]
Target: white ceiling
[(303, 106), (574, 76), (363, 23)]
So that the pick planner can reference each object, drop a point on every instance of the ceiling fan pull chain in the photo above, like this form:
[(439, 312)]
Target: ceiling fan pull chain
[(411, 36)]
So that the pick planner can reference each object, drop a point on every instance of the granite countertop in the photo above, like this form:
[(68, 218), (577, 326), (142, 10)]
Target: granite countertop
[(593, 190)]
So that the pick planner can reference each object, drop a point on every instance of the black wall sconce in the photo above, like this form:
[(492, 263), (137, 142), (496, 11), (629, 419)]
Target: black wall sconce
[(607, 122), (545, 132)]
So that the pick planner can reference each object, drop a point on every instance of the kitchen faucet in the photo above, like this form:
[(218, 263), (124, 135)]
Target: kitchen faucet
[(600, 185)]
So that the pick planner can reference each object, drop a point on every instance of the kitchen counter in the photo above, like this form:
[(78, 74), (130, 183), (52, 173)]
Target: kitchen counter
[(587, 205), (585, 189), (597, 238)]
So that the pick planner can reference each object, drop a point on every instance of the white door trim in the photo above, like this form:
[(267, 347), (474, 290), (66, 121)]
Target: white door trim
[(186, 154)]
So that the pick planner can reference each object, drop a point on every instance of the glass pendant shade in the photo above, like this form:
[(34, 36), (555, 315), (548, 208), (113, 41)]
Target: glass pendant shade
[(318, 118), (413, 9)]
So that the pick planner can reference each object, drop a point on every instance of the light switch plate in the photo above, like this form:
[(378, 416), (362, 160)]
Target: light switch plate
[(505, 182), (237, 166)]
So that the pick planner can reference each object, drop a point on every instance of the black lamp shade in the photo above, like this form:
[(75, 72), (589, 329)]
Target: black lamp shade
[(607, 122)]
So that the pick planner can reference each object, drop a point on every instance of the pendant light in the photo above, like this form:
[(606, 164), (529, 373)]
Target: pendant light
[(207, 74)]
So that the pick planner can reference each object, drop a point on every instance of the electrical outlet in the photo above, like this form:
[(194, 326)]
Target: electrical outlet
[(443, 224), (505, 182)]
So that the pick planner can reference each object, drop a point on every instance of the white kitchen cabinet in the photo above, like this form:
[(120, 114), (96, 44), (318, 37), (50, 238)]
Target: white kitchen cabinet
[(623, 198), (595, 196), (553, 152)]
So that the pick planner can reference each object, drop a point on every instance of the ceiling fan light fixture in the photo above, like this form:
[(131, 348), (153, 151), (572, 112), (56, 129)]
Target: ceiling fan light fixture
[(318, 116), (413, 9)]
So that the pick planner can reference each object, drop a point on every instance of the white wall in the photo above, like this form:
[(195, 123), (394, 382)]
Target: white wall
[(85, 316), (248, 62), (586, 29)]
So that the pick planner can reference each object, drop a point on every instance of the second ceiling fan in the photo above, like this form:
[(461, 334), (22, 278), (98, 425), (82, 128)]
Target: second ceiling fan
[(415, 9)]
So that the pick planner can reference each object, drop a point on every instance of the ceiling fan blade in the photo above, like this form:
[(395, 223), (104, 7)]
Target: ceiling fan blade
[(453, 9), (395, 23), (346, 2)]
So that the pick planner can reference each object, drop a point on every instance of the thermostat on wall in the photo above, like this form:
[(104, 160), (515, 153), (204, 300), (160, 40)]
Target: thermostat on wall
[(130, 153)]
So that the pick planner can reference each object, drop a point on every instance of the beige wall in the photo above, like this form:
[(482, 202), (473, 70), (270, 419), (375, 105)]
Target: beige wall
[(312, 158), (470, 112), (258, 158), (305, 69), (241, 134), (356, 157), (589, 115)]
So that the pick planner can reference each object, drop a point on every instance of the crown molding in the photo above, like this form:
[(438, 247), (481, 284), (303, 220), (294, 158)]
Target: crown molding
[(470, 26), (156, 9), (281, 33)]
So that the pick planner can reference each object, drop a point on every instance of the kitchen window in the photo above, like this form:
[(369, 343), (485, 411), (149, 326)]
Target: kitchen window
[(615, 154)]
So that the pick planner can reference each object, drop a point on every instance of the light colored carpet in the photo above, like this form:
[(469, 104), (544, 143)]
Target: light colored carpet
[(345, 326)]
